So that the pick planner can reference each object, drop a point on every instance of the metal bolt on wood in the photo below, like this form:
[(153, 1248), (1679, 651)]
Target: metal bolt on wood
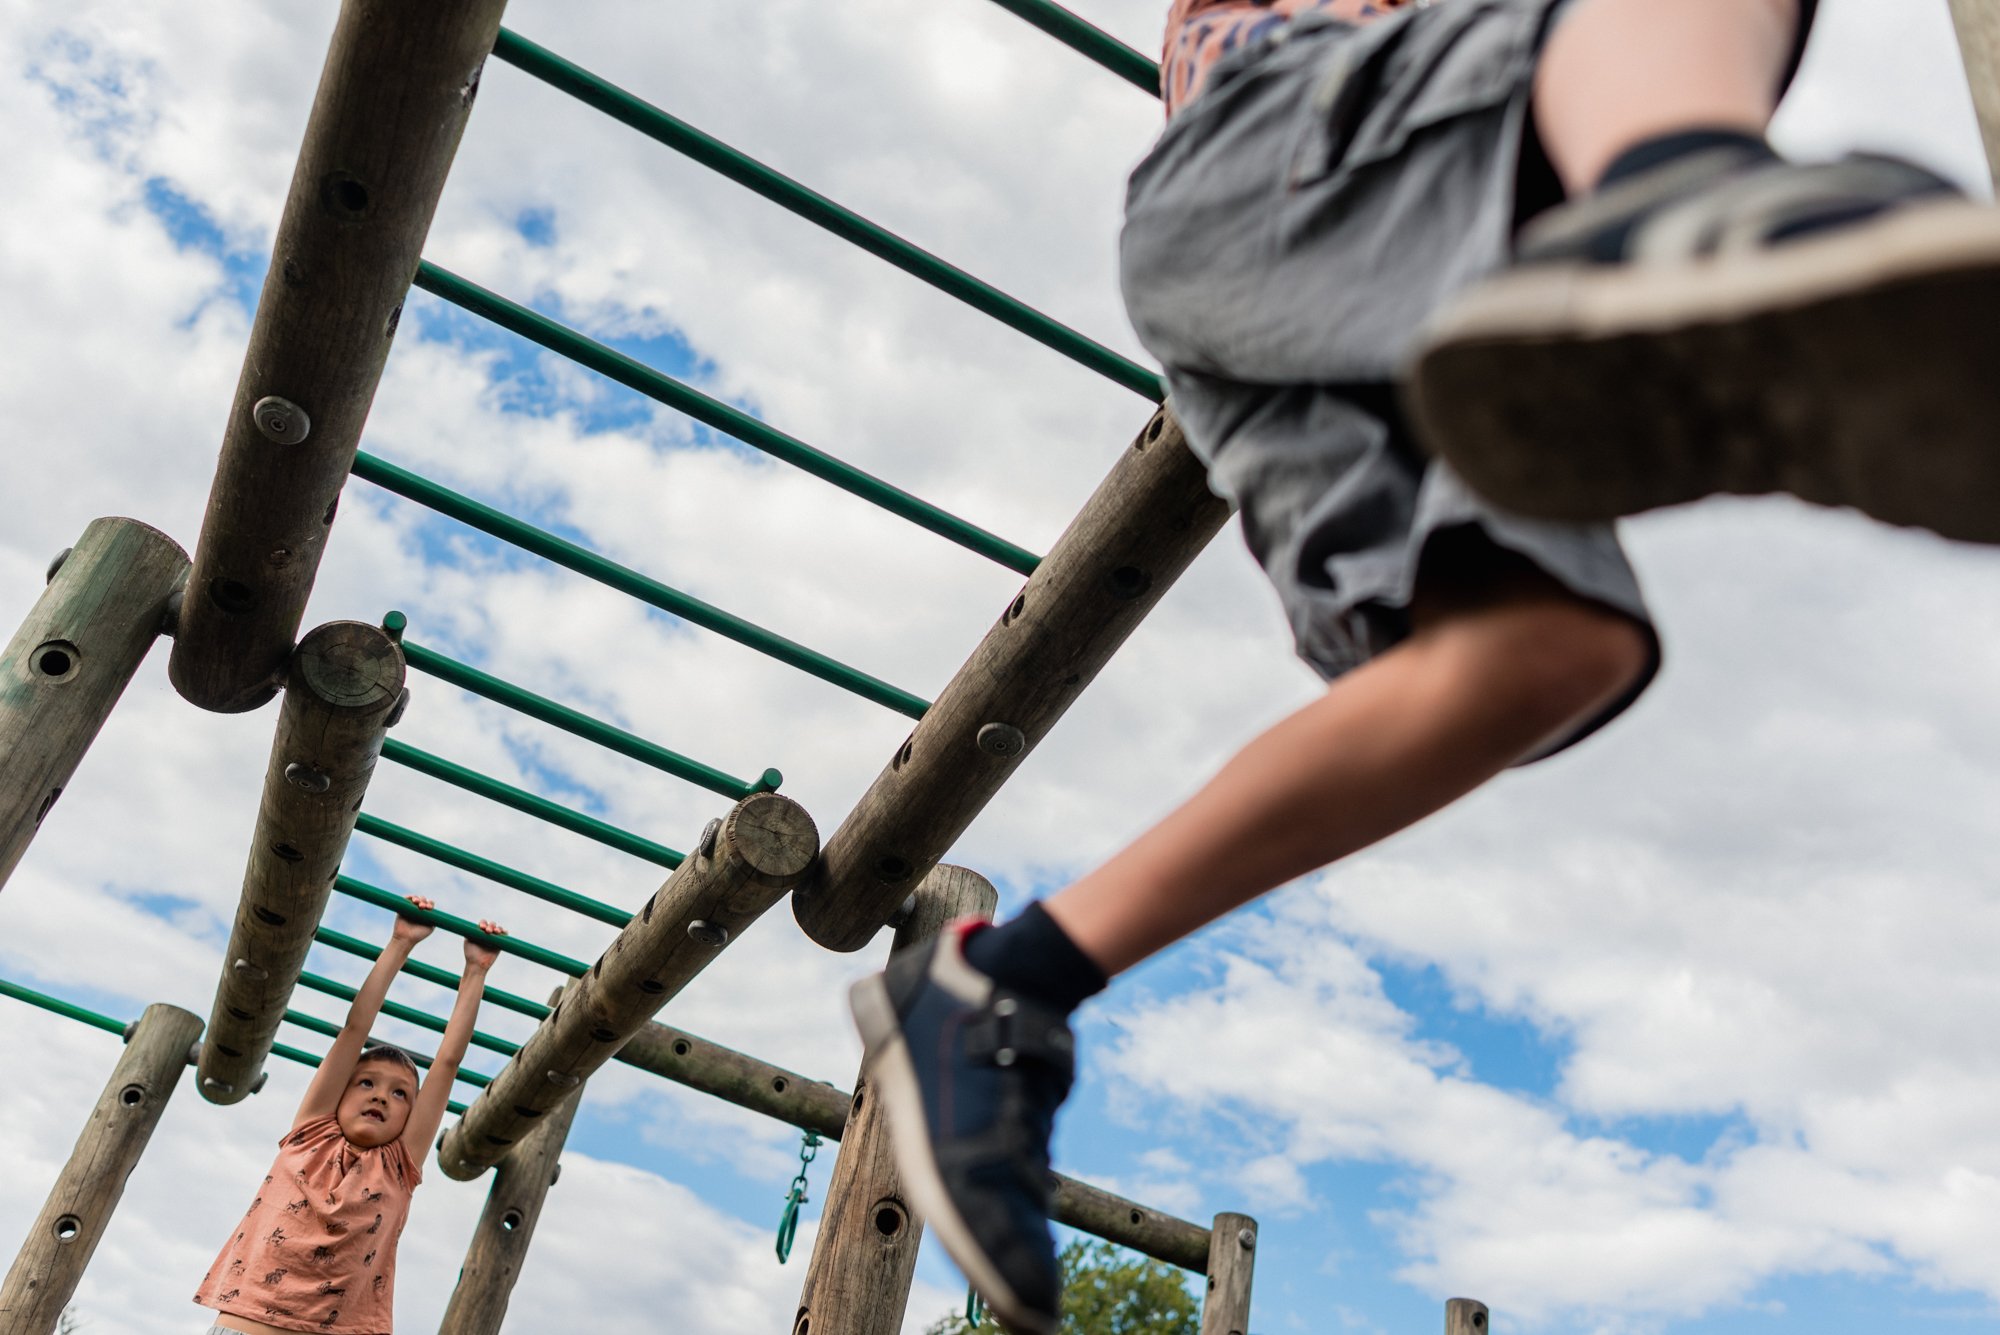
[(1232, 1257)]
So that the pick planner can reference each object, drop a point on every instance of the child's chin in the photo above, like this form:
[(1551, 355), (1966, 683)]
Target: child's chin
[(368, 1134)]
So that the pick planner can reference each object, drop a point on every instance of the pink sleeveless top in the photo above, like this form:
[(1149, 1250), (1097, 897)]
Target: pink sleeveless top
[(317, 1249), (1201, 32)]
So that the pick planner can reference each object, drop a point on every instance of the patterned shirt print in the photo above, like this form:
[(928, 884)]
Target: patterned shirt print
[(317, 1250), (1201, 32)]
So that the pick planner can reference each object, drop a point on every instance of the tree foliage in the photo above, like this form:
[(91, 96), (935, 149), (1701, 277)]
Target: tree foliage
[(1109, 1291)]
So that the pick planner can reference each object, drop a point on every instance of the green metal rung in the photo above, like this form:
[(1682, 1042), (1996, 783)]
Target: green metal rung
[(430, 973), (512, 945), (493, 871), (305, 1058), (331, 1030), (615, 102), (529, 804), (410, 1014), (557, 338), (67, 1009), (1089, 41)]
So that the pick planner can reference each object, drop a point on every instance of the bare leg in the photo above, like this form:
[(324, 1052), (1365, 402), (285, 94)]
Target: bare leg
[(1617, 72), (1486, 678)]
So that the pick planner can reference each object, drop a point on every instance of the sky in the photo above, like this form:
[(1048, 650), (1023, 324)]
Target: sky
[(1686, 1031)]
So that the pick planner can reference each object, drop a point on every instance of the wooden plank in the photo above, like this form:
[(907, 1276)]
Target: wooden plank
[(344, 686), (393, 99), (866, 1253), (1232, 1257), (1131, 541), (1466, 1316), (1978, 23), (107, 600), (742, 865), (45, 1273)]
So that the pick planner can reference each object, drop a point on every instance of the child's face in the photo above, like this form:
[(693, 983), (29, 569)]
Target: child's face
[(376, 1106)]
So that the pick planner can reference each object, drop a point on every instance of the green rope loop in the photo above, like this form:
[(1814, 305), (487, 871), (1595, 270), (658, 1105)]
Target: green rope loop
[(788, 1223)]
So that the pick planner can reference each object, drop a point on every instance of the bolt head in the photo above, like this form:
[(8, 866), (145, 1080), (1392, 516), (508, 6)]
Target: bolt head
[(710, 833), (57, 564), (1246, 1239), (282, 421), (307, 779), (1002, 739), (711, 934)]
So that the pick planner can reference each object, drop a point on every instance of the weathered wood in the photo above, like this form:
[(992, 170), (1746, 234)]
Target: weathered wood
[(393, 100), (344, 686), (1465, 1316), (866, 1255), (59, 1247), (1232, 1257), (108, 598), (742, 865), (1131, 541), (1978, 23), (506, 1226)]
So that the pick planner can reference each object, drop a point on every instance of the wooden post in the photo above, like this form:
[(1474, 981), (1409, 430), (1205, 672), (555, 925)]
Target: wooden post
[(45, 1274), (1978, 23), (108, 598), (1464, 1316), (344, 688), (393, 100), (862, 1265), (1232, 1256), (506, 1227), (741, 866), (1141, 528)]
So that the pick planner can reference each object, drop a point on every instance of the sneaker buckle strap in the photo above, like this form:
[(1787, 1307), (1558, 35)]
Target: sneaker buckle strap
[(1010, 1031)]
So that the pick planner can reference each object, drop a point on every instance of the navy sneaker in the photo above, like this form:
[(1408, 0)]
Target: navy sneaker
[(1731, 322), (970, 1076)]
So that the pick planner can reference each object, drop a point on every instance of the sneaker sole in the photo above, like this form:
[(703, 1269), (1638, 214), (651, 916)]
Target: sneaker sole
[(896, 1085), (1860, 369)]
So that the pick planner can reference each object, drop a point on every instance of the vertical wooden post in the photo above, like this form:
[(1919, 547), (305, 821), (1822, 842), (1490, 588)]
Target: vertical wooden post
[(108, 598), (72, 1222), (862, 1264), (1465, 1316), (345, 687), (507, 1225), (1978, 23), (1232, 1256)]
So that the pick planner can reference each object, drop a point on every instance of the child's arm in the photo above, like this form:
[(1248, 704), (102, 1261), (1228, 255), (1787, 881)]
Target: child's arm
[(330, 1081), (428, 1115)]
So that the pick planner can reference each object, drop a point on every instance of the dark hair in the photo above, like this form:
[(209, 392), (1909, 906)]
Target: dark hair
[(387, 1052)]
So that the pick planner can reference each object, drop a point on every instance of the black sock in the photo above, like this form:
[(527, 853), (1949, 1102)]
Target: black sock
[(1033, 956), (1662, 149)]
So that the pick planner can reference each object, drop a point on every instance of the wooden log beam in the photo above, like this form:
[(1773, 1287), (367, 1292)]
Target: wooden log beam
[(1978, 23), (343, 689), (506, 1226), (45, 1273), (1465, 1316), (866, 1256), (108, 598), (1131, 541), (1232, 1257), (742, 865), (393, 100)]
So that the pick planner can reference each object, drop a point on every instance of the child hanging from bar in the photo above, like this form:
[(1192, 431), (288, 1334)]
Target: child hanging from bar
[(1552, 232), (317, 1249)]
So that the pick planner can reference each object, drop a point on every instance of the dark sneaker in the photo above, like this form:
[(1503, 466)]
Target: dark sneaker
[(1730, 322), (970, 1077)]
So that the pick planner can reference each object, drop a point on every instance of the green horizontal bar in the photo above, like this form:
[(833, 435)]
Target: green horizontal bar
[(299, 1055), (491, 870), (331, 1030), (539, 807), (630, 582), (430, 973), (1089, 41), (61, 1007), (538, 328), (649, 120), (512, 945), (396, 1010)]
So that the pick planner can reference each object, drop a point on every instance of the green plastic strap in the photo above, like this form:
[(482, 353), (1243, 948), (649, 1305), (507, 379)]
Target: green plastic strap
[(589, 564), (304, 1058), (557, 338), (528, 803), (1089, 41), (396, 1010), (64, 1008), (512, 945), (493, 871), (430, 973), (975, 1308), (649, 120)]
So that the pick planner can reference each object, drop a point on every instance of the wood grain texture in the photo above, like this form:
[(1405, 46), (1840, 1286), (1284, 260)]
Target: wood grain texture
[(1131, 541), (1466, 1316), (866, 1254), (343, 686), (45, 1273), (506, 1227), (1232, 1260), (69, 662), (393, 99), (761, 851), (1978, 23)]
